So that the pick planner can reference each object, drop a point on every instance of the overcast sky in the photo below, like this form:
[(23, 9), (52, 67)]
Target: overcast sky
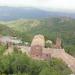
[(68, 5)]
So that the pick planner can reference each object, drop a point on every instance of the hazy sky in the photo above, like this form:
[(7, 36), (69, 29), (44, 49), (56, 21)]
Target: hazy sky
[(68, 5)]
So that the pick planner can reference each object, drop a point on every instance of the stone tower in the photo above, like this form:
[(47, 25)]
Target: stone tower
[(37, 45), (58, 43)]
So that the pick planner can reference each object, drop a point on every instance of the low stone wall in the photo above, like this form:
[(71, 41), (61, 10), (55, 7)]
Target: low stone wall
[(54, 52)]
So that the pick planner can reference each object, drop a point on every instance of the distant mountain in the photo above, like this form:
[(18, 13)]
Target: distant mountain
[(12, 13)]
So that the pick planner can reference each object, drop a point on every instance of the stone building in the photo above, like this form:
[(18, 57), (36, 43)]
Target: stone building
[(38, 50)]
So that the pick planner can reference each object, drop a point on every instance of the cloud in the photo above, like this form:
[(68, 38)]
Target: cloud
[(68, 5)]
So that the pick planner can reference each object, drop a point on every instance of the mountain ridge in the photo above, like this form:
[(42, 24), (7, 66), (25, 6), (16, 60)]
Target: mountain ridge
[(14, 13)]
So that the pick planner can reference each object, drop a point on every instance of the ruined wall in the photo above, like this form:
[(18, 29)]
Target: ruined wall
[(36, 51)]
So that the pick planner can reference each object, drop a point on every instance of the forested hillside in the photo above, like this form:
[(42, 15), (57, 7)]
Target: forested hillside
[(4, 30), (49, 27)]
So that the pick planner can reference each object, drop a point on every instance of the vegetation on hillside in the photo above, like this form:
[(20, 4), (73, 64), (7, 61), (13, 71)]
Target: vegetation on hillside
[(6, 31), (20, 64)]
